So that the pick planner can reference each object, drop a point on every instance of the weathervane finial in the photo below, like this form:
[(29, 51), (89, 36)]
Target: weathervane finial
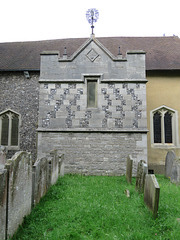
[(92, 16)]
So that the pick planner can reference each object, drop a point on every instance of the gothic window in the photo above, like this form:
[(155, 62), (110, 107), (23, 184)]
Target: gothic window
[(9, 129), (164, 127), (91, 93)]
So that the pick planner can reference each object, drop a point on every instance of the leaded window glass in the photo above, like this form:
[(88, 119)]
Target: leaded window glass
[(168, 127), (15, 130), (157, 127), (164, 126), (5, 130), (92, 94)]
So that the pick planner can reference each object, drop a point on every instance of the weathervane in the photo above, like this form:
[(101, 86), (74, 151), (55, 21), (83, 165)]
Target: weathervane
[(92, 16)]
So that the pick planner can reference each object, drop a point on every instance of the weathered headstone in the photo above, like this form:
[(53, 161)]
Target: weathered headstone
[(151, 193), (170, 158), (53, 166), (142, 170), (2, 157), (61, 165), (3, 201), (175, 172), (19, 168), (40, 180), (129, 165)]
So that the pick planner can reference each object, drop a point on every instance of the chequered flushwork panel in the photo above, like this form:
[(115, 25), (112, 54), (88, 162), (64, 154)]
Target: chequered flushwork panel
[(120, 105)]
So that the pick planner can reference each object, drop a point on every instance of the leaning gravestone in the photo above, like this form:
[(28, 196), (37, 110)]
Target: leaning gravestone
[(142, 170), (170, 158), (151, 193), (129, 165), (175, 172)]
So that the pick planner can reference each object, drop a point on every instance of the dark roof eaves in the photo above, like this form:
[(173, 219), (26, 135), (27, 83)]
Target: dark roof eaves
[(19, 70)]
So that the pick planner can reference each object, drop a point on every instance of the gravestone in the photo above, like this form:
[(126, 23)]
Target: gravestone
[(2, 157), (151, 193), (142, 170), (3, 203), (61, 165), (170, 158), (175, 172), (129, 165)]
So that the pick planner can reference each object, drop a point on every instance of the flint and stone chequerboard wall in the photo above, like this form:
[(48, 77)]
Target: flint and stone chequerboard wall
[(94, 140)]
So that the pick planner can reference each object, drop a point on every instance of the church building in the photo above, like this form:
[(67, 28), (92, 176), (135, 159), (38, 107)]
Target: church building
[(95, 100)]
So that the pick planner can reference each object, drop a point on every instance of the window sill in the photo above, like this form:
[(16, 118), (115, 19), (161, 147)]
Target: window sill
[(11, 147), (165, 145)]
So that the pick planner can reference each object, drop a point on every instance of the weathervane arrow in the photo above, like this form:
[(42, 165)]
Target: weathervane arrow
[(92, 16)]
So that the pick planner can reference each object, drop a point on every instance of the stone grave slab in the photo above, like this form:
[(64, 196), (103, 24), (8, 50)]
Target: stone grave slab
[(151, 193), (175, 172), (129, 165), (142, 170), (170, 158), (3, 203)]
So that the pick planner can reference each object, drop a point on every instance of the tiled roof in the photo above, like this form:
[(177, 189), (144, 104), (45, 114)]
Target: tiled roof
[(162, 53)]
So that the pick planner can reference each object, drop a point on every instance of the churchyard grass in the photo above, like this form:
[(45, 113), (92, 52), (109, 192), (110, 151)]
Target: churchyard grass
[(96, 207)]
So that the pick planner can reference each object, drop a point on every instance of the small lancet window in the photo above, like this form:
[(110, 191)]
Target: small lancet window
[(92, 94)]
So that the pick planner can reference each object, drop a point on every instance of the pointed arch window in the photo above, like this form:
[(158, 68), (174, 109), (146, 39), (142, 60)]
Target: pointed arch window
[(164, 126), (9, 129)]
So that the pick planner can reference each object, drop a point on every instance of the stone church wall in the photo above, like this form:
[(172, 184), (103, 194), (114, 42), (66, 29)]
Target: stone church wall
[(96, 153), (94, 141), (21, 95), (98, 139)]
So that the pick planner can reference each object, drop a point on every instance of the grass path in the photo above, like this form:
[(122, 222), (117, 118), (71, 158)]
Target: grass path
[(95, 207)]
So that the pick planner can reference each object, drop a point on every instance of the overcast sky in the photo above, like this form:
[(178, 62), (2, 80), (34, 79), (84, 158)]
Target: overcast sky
[(29, 20)]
